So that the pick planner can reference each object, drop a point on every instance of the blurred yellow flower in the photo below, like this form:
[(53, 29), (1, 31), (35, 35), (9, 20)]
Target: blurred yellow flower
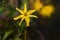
[(43, 10), (37, 4), (25, 15), (47, 10)]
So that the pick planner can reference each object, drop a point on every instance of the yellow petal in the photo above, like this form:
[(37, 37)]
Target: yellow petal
[(21, 21), (30, 12), (47, 10), (18, 17), (33, 16), (25, 8), (27, 19), (20, 11)]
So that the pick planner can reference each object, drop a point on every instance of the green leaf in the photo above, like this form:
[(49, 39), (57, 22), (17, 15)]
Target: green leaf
[(1, 9), (22, 27), (7, 34)]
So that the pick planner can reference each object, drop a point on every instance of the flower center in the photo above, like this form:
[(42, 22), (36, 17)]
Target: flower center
[(25, 14)]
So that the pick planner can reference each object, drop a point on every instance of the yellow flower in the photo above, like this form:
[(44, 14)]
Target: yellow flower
[(37, 4), (43, 10), (25, 15), (47, 10)]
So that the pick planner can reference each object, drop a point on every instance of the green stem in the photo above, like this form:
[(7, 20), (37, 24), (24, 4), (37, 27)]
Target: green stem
[(16, 26), (25, 35)]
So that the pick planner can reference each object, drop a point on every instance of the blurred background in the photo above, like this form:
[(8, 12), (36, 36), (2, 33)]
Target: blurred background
[(41, 29)]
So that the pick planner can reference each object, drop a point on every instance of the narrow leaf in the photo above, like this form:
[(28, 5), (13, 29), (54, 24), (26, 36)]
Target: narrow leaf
[(7, 34)]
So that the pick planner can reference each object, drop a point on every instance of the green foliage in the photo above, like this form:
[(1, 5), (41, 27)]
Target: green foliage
[(22, 27), (2, 10), (7, 34)]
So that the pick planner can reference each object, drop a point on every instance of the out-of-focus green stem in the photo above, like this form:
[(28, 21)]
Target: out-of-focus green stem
[(25, 35), (15, 25)]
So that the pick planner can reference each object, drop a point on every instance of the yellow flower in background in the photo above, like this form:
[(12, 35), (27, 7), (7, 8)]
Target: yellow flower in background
[(25, 15), (37, 4), (43, 10), (47, 10)]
